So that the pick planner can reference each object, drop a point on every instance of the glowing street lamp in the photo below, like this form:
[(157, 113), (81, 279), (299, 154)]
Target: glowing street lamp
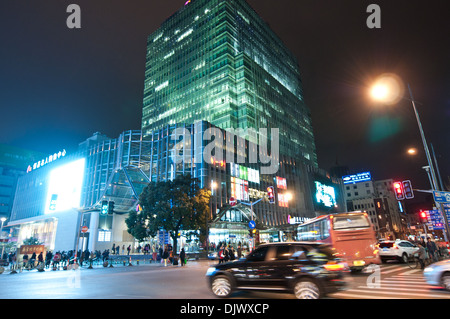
[(388, 88), (412, 151)]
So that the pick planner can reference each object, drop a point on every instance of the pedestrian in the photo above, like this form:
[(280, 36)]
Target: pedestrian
[(129, 249), (226, 254), (32, 260), (432, 250), (422, 255), (118, 250), (239, 252), (113, 249), (221, 255), (13, 261), (40, 258), (165, 256), (232, 255), (25, 260), (182, 257)]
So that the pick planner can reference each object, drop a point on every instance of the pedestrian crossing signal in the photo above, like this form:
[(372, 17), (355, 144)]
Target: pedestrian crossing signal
[(104, 209)]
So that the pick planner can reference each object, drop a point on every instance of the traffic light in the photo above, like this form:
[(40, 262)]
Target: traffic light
[(110, 208), (104, 210), (407, 188), (399, 192), (423, 216), (271, 194)]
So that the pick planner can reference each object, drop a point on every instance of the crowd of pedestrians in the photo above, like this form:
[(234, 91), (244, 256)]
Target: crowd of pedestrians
[(429, 252)]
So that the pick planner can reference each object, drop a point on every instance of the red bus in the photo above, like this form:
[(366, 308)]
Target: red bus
[(351, 235)]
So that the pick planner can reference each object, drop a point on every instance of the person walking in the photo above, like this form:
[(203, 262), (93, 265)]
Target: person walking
[(239, 252), (432, 250), (128, 250), (422, 255), (221, 255), (40, 259), (165, 256), (232, 253), (182, 257)]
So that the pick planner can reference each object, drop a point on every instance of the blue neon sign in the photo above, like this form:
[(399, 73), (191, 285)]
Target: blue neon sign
[(357, 178)]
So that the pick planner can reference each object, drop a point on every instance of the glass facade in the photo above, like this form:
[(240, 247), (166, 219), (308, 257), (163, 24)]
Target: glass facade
[(217, 60)]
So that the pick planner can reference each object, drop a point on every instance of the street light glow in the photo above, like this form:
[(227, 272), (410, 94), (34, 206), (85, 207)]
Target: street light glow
[(387, 88), (379, 92)]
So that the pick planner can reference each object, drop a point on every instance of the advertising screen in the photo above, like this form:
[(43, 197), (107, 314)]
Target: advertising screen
[(325, 195), (281, 182), (64, 189)]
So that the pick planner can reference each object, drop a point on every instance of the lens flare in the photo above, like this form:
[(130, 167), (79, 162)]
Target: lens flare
[(388, 89)]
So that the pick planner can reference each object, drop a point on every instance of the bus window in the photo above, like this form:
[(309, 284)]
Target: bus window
[(350, 221)]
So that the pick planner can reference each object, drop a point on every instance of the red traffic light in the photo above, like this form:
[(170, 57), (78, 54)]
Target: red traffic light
[(398, 189), (423, 215)]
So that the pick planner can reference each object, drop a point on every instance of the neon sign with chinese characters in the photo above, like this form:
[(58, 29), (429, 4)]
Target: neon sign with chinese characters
[(45, 161)]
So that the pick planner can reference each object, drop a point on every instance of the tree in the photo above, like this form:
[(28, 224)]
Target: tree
[(32, 241), (172, 206)]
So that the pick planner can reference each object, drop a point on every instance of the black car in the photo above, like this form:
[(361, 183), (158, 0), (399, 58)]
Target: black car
[(308, 270)]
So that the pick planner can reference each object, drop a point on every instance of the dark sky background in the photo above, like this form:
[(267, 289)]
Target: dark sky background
[(59, 85)]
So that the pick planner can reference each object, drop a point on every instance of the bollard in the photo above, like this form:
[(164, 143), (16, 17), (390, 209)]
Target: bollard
[(129, 262), (137, 262)]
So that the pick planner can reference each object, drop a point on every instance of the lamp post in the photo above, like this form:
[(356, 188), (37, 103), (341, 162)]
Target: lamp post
[(382, 92)]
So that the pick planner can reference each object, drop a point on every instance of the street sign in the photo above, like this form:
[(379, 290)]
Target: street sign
[(441, 197), (252, 224), (232, 201), (84, 229)]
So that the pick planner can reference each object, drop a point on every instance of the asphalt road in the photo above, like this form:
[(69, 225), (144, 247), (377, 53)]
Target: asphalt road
[(154, 281)]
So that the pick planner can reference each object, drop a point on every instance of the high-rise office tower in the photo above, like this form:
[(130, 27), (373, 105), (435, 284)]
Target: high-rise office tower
[(218, 61)]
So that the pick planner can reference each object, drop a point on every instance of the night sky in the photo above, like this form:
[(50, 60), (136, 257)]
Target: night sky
[(60, 85)]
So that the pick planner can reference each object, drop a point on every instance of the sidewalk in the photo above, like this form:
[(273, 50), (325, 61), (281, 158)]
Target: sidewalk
[(122, 261)]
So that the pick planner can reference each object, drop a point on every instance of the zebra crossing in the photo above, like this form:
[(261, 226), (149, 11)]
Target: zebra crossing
[(391, 282)]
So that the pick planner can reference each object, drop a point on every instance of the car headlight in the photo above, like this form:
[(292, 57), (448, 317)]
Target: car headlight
[(210, 271)]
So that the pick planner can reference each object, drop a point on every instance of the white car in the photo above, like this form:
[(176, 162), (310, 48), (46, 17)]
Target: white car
[(438, 274), (396, 250)]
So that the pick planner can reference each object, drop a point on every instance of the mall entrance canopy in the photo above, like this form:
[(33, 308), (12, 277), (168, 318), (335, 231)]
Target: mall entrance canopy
[(124, 188)]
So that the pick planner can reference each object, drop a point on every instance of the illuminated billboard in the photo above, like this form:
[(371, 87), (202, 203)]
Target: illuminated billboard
[(242, 172), (357, 178), (64, 187), (281, 182), (325, 195), (239, 189)]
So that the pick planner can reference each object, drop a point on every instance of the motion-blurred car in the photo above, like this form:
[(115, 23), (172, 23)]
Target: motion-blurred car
[(396, 250), (212, 255), (438, 274), (308, 270)]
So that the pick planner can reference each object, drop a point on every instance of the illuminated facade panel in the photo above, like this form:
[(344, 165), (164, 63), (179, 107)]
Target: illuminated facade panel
[(218, 61)]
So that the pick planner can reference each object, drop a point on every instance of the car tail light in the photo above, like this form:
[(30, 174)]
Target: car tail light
[(332, 266), (395, 246)]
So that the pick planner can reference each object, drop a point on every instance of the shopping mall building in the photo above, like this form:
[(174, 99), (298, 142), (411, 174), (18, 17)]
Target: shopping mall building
[(63, 192)]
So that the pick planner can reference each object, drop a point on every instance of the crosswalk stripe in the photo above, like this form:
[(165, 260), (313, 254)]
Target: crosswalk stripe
[(399, 287)]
